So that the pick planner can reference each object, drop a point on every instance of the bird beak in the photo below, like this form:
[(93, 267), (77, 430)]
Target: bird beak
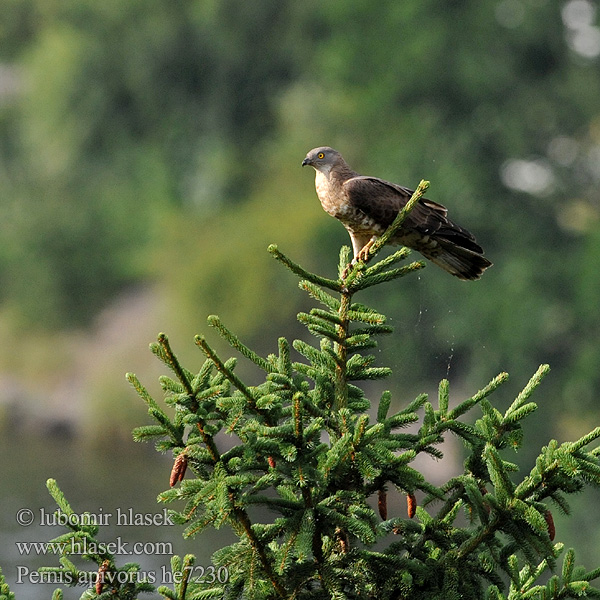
[(305, 162)]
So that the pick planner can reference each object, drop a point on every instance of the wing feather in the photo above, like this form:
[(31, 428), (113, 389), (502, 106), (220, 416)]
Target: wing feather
[(381, 201)]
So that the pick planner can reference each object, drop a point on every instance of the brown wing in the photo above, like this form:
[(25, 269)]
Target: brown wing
[(381, 201)]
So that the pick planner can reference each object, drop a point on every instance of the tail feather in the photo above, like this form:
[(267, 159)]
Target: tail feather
[(461, 262)]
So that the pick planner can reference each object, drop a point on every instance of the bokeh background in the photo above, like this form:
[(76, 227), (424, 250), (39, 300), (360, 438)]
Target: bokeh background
[(150, 151)]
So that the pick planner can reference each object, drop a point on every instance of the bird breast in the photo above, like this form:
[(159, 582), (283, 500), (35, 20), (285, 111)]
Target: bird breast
[(329, 201), (335, 202)]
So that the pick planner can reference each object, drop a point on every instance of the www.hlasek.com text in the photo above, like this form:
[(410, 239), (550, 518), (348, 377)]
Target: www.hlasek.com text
[(84, 546)]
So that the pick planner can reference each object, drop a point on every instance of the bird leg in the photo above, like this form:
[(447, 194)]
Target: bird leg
[(362, 254), (364, 251)]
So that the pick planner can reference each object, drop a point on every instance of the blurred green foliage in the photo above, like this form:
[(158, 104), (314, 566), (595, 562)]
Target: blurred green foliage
[(152, 142)]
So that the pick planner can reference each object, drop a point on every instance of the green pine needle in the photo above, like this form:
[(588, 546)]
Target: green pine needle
[(311, 486), (298, 270), (235, 342)]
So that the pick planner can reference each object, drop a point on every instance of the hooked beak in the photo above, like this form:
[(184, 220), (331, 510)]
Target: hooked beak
[(306, 161)]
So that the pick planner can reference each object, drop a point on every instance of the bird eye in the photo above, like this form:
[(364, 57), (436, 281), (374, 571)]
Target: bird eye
[(320, 155)]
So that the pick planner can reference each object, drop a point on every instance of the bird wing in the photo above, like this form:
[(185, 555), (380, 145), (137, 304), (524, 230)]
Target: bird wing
[(382, 200)]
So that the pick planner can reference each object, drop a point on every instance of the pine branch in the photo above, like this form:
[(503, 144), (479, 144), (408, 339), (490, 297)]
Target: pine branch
[(222, 368), (6, 594), (142, 391), (465, 406), (109, 581), (167, 355), (317, 293), (341, 351), (242, 518), (306, 453), (331, 284), (235, 342), (388, 261), (383, 276)]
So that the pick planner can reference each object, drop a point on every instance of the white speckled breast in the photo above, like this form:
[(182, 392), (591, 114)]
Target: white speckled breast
[(324, 194), (337, 206)]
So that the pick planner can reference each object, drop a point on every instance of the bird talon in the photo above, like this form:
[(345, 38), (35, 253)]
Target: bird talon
[(364, 252)]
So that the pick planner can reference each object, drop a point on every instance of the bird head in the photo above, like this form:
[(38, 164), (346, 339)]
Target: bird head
[(323, 159)]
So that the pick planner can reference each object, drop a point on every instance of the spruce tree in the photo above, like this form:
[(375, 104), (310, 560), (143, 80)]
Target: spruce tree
[(300, 471)]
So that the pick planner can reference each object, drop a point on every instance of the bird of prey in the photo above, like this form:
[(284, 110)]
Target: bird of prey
[(366, 206)]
